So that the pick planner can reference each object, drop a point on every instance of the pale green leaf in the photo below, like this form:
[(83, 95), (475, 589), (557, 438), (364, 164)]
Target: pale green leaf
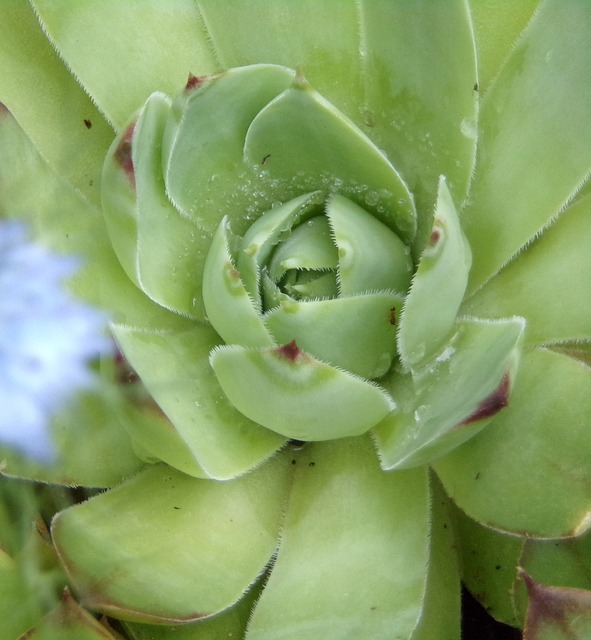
[(303, 142), (497, 26), (19, 607), (535, 143), (418, 75), (90, 417), (229, 306), (355, 333), (438, 287), (354, 550), (203, 146), (535, 452), (320, 36), (205, 541), (65, 126), (170, 247), (371, 256), (561, 563), (454, 396), (215, 439), (123, 51), (548, 283), (296, 395), (263, 236), (309, 246)]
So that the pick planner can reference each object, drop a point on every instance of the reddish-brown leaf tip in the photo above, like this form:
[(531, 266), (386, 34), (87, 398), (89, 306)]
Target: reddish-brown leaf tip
[(123, 153), (492, 404), (289, 351), (194, 81)]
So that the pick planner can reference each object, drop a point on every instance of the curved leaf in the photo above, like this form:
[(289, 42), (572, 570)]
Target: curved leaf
[(123, 51), (548, 283), (454, 396), (302, 141), (535, 146), (438, 287), (419, 104), (66, 128), (296, 395), (206, 541), (535, 452), (215, 439), (301, 34), (339, 571)]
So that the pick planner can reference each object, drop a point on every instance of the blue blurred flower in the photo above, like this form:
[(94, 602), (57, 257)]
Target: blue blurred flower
[(46, 340)]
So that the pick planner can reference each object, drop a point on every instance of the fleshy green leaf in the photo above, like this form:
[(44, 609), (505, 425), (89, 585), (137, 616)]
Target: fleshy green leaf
[(339, 571), (454, 397), (296, 395), (301, 34), (535, 148), (371, 257), (215, 439), (497, 26), (356, 334), (203, 145), (160, 43), (170, 247), (561, 563), (302, 141), (548, 283), (205, 541), (437, 288), (230, 309), (66, 128), (264, 234), (419, 104), (309, 246), (534, 453)]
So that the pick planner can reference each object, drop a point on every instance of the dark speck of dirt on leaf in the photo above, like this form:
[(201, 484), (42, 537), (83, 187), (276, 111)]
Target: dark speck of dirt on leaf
[(392, 315)]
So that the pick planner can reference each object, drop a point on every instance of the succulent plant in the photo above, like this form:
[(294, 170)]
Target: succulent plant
[(347, 269)]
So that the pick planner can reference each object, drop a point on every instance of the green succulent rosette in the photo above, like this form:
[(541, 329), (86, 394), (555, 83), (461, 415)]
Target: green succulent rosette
[(348, 260)]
